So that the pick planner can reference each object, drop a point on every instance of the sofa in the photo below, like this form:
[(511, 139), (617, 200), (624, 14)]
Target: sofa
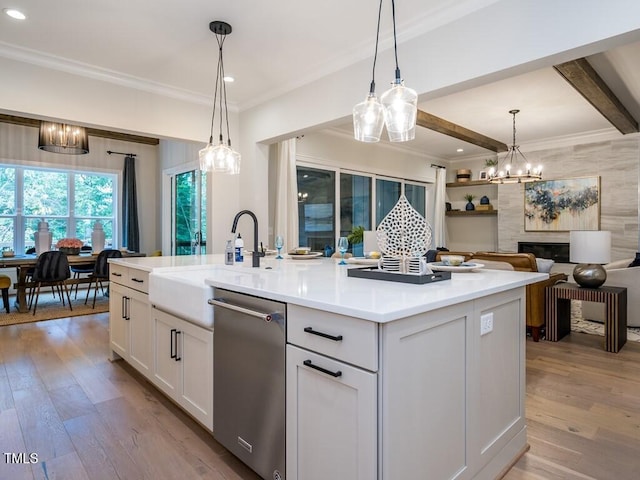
[(522, 262), (618, 275)]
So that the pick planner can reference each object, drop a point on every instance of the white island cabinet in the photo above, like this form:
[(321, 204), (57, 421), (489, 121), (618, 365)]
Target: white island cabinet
[(387, 380), (130, 322), (183, 364)]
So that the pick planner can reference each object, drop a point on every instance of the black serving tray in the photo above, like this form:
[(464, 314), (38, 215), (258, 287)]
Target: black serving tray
[(375, 274)]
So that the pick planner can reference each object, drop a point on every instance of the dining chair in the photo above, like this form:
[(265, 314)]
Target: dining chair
[(81, 269), (5, 284), (51, 269), (101, 272)]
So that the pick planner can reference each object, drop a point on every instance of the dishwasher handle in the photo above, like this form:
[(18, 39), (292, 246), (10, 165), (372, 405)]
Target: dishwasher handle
[(267, 317)]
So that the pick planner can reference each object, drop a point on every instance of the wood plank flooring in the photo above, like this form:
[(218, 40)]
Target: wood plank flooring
[(88, 418)]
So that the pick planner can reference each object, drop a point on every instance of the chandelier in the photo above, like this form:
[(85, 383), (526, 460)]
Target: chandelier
[(221, 157), (514, 167), (397, 107), (62, 138)]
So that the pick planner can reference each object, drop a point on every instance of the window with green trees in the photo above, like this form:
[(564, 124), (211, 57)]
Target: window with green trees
[(70, 201)]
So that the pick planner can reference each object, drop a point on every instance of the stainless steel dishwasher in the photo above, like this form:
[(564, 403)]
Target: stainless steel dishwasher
[(249, 380)]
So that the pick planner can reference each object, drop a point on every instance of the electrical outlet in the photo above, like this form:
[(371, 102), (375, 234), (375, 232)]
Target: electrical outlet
[(486, 323)]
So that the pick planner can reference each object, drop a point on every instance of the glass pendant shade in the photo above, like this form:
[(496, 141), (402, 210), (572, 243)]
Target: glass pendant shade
[(62, 138), (368, 120), (234, 163), (400, 105), (220, 158)]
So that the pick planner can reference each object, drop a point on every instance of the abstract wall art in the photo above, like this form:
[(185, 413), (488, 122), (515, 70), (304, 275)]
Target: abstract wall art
[(562, 205)]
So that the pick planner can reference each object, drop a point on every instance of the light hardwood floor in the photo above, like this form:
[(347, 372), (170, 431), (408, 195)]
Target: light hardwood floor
[(88, 418)]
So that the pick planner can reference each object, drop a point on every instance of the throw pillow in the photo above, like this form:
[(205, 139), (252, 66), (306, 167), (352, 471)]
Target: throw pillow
[(544, 264), (618, 264)]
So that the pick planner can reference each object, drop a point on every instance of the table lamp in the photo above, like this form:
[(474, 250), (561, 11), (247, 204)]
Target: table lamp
[(589, 249)]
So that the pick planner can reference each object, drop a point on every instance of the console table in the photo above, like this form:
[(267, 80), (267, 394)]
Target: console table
[(558, 305)]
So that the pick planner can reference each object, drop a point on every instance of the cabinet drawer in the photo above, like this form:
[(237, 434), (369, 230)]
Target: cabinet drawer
[(344, 338), (139, 280), (119, 274)]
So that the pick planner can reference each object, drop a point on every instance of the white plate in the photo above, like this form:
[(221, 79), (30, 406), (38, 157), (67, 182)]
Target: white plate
[(306, 256), (464, 267), (362, 260)]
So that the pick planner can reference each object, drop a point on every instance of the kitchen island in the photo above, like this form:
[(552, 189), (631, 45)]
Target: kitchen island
[(431, 377)]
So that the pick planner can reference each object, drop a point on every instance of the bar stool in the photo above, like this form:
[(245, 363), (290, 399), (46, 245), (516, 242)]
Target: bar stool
[(5, 283)]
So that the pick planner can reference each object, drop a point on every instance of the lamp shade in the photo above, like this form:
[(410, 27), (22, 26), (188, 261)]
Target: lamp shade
[(590, 246), (63, 138)]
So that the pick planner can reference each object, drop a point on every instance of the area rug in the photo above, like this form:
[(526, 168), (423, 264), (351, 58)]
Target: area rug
[(579, 324), (50, 308)]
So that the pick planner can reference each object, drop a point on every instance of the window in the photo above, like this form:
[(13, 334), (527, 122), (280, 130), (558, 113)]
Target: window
[(69, 201), (356, 207), (316, 208)]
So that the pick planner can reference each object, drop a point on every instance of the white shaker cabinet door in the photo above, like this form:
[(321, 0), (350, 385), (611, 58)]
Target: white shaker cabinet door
[(118, 321), (166, 362), (331, 419), (141, 338)]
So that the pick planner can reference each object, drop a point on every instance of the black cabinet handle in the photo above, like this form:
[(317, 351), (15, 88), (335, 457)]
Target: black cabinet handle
[(172, 344), (310, 330), (128, 307), (115, 274), (124, 308), (137, 280), (178, 358), (323, 370)]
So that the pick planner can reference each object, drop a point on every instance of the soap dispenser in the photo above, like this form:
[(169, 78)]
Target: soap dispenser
[(239, 247), (228, 253)]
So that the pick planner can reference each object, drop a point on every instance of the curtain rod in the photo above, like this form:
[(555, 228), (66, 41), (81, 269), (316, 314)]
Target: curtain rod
[(121, 153), (437, 166)]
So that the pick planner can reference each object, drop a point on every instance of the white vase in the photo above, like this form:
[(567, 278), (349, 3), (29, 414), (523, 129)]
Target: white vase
[(97, 238), (43, 238)]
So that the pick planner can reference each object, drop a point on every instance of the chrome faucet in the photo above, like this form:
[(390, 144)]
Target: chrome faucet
[(256, 253)]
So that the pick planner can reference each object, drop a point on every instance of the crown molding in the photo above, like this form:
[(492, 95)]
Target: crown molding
[(33, 57)]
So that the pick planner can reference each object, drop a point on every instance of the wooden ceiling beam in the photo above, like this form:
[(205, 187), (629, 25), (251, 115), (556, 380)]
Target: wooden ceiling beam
[(581, 76), (445, 127), (92, 132)]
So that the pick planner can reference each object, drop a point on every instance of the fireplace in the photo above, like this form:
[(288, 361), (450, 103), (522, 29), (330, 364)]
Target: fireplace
[(558, 252)]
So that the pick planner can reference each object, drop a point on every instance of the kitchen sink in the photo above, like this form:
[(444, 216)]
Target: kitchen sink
[(184, 294)]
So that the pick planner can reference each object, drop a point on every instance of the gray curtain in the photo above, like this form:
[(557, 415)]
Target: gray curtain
[(130, 230)]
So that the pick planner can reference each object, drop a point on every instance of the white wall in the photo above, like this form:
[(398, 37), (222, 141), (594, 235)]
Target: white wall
[(19, 145), (334, 149)]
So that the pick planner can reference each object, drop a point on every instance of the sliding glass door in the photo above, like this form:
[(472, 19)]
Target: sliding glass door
[(189, 213)]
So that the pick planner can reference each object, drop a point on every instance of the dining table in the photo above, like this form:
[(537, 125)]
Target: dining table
[(22, 264)]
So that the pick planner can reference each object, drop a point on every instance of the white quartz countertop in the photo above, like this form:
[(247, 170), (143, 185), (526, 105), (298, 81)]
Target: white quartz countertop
[(322, 284)]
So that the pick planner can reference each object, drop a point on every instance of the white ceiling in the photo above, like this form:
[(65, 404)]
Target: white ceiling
[(277, 46)]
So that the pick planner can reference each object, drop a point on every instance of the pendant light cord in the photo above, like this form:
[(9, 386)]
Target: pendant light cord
[(395, 44), (220, 88), (372, 88)]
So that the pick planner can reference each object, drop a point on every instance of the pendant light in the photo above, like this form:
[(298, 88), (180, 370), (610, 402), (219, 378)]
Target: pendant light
[(398, 106), (400, 103), (368, 116), (63, 138), (220, 158), (514, 167)]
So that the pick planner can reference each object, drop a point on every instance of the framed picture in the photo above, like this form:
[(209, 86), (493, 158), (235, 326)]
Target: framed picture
[(483, 175), (562, 205)]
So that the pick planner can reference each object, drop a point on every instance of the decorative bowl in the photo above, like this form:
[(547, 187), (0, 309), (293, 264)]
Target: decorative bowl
[(453, 260), (69, 250)]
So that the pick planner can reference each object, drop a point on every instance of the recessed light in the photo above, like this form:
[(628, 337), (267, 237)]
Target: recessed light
[(229, 79), (460, 150), (13, 13)]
